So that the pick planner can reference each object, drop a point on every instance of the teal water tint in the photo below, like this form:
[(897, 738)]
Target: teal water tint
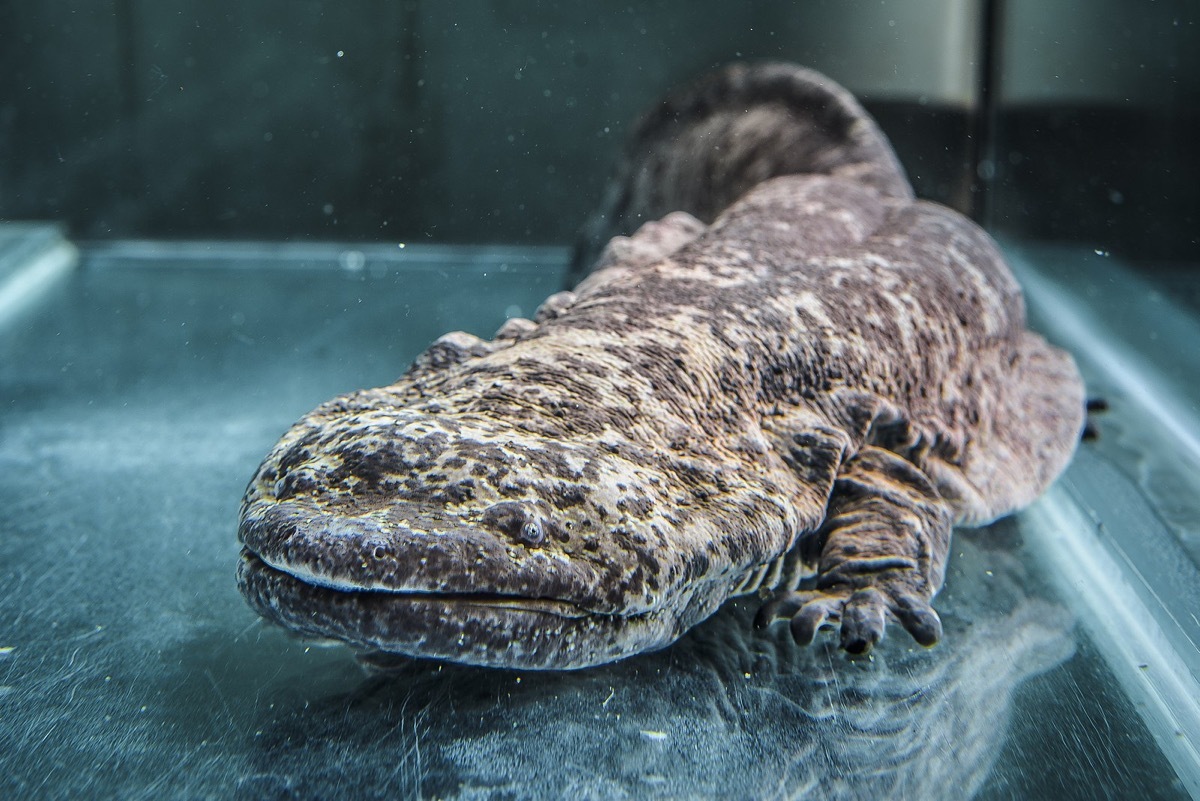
[(1133, 336), (136, 403)]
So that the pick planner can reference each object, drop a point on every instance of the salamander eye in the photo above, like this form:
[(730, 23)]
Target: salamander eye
[(532, 533)]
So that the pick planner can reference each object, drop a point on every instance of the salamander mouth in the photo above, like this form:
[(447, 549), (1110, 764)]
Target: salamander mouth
[(490, 600), (412, 549), (413, 579), (481, 628)]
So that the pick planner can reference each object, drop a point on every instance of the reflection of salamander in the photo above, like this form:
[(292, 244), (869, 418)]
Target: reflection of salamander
[(724, 713), (816, 386), (768, 720)]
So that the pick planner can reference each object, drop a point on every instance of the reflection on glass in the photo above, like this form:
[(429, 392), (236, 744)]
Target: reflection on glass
[(726, 712)]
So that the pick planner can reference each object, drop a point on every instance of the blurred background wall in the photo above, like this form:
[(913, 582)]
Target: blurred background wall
[(1097, 120), (498, 120)]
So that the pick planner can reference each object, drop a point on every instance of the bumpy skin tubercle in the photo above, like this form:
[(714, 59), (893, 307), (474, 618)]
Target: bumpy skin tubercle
[(802, 397)]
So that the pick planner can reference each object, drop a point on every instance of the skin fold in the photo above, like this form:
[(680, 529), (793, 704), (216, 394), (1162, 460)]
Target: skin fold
[(792, 379)]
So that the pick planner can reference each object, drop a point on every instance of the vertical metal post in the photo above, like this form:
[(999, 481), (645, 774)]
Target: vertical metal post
[(984, 116)]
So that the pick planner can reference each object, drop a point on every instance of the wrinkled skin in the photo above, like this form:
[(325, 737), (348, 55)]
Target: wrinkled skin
[(803, 396)]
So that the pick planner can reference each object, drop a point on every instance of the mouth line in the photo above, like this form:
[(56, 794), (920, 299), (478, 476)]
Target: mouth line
[(488, 600), (484, 599), (492, 629)]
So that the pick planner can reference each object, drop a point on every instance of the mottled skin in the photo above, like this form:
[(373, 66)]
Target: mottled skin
[(804, 396)]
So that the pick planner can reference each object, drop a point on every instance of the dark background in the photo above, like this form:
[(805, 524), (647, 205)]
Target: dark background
[(498, 120)]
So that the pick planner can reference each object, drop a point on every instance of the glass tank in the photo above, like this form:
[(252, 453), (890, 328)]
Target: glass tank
[(216, 216)]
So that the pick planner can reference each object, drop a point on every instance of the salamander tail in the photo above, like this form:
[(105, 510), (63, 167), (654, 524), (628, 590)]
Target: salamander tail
[(701, 149)]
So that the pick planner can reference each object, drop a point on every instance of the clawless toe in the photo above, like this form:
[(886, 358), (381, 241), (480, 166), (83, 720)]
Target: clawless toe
[(883, 549)]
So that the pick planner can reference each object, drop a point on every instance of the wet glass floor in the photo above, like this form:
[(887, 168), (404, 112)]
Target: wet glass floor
[(138, 394)]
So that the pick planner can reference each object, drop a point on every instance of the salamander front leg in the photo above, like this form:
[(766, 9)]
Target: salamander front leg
[(883, 550)]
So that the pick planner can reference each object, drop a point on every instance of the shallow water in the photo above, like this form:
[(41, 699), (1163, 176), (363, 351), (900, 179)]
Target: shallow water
[(139, 397)]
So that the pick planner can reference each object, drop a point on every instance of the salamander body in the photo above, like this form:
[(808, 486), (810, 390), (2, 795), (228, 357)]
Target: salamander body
[(792, 379)]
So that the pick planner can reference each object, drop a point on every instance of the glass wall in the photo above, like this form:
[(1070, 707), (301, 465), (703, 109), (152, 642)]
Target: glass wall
[(485, 121)]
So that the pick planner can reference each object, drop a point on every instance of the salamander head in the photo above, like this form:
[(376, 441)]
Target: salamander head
[(402, 531)]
